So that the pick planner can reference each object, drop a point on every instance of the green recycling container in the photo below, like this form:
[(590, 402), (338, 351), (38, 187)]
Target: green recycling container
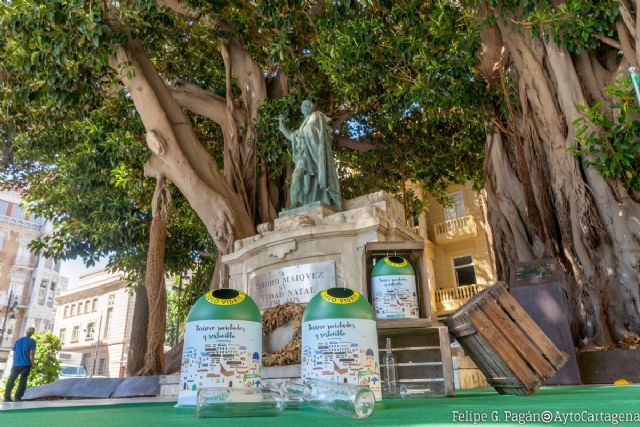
[(393, 286), (339, 339), (222, 344)]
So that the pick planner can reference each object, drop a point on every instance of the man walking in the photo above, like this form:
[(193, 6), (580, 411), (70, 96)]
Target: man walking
[(23, 358)]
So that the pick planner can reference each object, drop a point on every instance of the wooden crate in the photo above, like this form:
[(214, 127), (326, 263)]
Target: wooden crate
[(423, 356), (514, 354), (414, 253)]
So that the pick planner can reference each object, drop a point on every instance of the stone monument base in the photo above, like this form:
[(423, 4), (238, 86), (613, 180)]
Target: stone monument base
[(311, 248), (313, 210)]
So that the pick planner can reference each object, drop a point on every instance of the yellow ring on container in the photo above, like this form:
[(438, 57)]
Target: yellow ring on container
[(338, 300), (224, 301), (396, 264)]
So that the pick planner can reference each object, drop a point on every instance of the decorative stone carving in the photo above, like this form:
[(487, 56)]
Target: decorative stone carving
[(292, 222), (265, 227), (338, 218), (281, 250)]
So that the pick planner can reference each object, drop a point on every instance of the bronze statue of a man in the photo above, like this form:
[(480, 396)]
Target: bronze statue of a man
[(314, 176)]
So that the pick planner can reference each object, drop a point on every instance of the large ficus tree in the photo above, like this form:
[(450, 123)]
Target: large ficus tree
[(200, 85), (208, 78), (562, 153), (563, 162)]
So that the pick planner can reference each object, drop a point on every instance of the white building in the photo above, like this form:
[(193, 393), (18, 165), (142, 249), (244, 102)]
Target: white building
[(95, 319), (28, 283)]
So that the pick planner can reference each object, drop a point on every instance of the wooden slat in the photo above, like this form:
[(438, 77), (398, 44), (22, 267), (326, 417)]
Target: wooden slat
[(402, 325), (505, 382), (518, 339), (460, 330), (447, 362), (503, 349), (410, 364), (476, 348), (425, 347), (421, 358), (549, 350), (490, 364)]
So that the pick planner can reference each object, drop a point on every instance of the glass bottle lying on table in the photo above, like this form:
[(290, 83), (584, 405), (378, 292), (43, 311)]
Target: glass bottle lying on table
[(350, 400), (413, 391), (224, 402)]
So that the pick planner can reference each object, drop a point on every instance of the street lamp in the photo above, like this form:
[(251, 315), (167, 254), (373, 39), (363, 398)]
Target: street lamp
[(11, 306)]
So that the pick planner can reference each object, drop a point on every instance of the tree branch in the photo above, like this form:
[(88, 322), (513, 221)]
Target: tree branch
[(203, 103), (609, 41), (249, 78), (278, 86), (626, 17), (185, 12), (179, 8), (182, 158), (625, 43), (352, 144), (316, 9), (338, 119)]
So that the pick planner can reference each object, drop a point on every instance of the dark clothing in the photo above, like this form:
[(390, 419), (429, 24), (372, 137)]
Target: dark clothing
[(21, 351), (23, 372)]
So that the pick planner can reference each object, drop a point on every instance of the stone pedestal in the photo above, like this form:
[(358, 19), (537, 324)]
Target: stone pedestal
[(311, 248), (318, 234)]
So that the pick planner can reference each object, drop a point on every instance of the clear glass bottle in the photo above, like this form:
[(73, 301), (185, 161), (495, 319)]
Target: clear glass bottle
[(350, 400), (390, 366), (222, 402)]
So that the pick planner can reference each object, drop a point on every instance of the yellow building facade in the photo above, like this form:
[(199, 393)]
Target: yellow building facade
[(458, 246)]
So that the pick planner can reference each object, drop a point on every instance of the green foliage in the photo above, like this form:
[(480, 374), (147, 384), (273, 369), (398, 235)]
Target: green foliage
[(73, 140), (612, 145), (414, 204), (183, 296), (270, 146), (62, 45), (71, 136), (46, 367), (575, 24), (407, 69)]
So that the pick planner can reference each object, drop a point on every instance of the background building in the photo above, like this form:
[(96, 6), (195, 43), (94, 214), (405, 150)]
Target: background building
[(458, 246), (28, 283), (95, 319)]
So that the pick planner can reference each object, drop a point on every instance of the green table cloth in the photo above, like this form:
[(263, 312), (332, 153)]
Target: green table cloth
[(595, 405)]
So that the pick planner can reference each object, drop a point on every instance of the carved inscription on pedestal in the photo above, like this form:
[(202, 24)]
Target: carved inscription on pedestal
[(297, 283)]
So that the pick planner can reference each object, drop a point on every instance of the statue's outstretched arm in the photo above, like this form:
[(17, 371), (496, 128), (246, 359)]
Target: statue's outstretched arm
[(282, 128)]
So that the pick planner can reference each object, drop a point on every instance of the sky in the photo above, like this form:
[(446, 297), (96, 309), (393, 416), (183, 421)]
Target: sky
[(73, 269)]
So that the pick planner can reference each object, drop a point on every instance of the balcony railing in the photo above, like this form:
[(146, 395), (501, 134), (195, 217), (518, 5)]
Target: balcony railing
[(20, 223), (456, 229), (449, 300)]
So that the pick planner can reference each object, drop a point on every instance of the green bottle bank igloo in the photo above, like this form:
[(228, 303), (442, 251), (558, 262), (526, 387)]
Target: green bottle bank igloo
[(222, 344), (339, 339), (393, 286)]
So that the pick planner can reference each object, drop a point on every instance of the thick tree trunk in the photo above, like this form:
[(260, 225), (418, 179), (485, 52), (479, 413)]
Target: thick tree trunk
[(173, 359), (155, 284), (542, 202), (178, 154), (230, 202), (138, 340)]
